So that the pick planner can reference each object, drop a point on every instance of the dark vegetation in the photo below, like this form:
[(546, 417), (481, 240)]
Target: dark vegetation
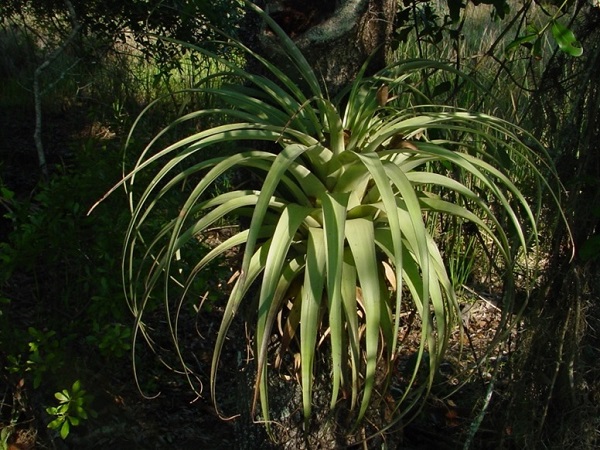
[(66, 332)]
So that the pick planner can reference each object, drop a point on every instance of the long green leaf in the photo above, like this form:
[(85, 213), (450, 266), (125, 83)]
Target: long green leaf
[(312, 294), (291, 219), (361, 238), (241, 287), (281, 164), (348, 291), (334, 223), (382, 173), (291, 50)]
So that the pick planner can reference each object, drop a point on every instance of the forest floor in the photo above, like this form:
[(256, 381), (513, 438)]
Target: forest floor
[(176, 416)]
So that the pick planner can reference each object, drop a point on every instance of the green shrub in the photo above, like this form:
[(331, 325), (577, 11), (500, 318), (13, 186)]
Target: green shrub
[(59, 280), (340, 236), (73, 407)]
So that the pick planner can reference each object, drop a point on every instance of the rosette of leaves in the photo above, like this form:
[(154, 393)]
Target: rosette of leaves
[(339, 234)]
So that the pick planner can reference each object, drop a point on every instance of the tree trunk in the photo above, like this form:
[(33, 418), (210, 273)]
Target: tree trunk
[(336, 37)]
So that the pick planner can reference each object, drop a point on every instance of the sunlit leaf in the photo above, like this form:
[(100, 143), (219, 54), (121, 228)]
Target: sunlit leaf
[(65, 429), (62, 396), (566, 40)]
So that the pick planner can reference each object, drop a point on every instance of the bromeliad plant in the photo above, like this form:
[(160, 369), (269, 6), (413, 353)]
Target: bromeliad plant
[(339, 238)]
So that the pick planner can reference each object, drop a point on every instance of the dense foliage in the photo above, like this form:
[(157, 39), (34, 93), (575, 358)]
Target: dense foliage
[(65, 329), (109, 22), (343, 224)]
